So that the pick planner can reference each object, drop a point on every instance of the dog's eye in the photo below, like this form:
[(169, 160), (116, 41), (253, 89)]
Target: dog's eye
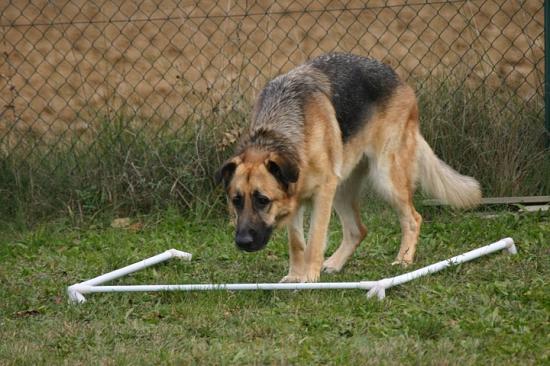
[(237, 201), (261, 201)]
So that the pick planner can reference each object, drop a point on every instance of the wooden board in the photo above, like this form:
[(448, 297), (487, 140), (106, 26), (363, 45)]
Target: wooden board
[(499, 200)]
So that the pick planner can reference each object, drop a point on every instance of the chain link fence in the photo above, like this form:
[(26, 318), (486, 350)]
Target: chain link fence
[(70, 69)]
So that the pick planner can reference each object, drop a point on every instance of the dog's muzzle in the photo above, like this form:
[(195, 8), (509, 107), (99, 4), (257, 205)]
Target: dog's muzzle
[(251, 240)]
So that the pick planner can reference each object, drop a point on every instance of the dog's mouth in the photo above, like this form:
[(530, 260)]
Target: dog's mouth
[(253, 241), (252, 248)]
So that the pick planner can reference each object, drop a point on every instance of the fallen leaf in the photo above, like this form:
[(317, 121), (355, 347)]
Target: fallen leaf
[(27, 313), (120, 223), (135, 227)]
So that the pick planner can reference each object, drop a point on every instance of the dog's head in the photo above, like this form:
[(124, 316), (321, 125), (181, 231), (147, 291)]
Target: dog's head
[(259, 187)]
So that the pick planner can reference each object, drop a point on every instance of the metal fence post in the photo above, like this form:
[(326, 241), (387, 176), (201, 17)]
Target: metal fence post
[(547, 70)]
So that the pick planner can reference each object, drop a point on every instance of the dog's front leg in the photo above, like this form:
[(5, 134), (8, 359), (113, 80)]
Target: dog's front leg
[(296, 247), (320, 219)]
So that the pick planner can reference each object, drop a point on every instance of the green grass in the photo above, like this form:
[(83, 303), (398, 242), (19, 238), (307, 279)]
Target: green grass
[(494, 310)]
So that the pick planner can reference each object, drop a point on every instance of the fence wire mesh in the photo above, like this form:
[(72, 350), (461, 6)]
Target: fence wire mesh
[(70, 68)]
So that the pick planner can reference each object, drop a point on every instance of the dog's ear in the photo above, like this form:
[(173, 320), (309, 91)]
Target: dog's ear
[(283, 169), (225, 173)]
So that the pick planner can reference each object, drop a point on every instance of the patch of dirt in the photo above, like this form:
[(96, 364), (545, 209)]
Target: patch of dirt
[(68, 67)]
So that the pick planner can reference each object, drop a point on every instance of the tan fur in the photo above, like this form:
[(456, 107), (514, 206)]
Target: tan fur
[(389, 142), (251, 175), (331, 173), (348, 211), (319, 177)]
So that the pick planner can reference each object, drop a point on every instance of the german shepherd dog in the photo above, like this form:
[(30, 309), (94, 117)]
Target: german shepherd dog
[(316, 133)]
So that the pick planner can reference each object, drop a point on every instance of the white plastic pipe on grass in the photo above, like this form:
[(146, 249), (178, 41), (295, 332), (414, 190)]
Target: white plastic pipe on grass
[(376, 288), (75, 291), (380, 288)]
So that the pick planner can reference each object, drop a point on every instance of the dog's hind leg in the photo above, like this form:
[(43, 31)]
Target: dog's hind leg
[(393, 171), (347, 208), (410, 221), (296, 246), (393, 180)]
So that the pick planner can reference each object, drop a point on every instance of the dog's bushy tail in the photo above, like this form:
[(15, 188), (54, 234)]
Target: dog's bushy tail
[(441, 181)]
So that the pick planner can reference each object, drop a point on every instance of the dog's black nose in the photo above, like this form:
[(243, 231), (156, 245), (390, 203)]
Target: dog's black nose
[(244, 239)]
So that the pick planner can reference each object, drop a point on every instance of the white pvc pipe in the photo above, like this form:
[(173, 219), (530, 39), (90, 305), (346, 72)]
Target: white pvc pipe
[(365, 285), (75, 294), (377, 288)]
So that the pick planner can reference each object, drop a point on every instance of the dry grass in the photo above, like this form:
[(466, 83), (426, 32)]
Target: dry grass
[(109, 110), (99, 58), (133, 167), (495, 136)]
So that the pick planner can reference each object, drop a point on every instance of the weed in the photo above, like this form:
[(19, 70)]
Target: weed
[(128, 166)]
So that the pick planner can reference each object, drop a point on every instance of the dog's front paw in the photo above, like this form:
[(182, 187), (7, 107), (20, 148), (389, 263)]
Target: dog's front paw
[(291, 278), (312, 276), (403, 263), (332, 265), (308, 277)]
